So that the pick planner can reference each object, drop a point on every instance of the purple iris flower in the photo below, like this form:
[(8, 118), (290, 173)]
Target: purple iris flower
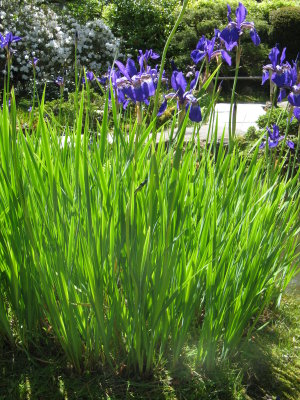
[(118, 83), (230, 35), (274, 138), (195, 80), (8, 39), (60, 81), (103, 79), (205, 48), (137, 86), (297, 113), (184, 98), (277, 65), (282, 73), (143, 58), (294, 96), (285, 79), (89, 76), (34, 61)]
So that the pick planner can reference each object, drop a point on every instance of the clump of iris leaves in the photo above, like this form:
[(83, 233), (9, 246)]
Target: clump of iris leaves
[(117, 246)]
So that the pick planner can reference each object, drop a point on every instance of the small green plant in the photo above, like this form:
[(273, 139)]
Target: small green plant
[(278, 116)]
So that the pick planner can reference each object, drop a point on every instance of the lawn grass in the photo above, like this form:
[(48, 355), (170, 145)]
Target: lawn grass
[(267, 367)]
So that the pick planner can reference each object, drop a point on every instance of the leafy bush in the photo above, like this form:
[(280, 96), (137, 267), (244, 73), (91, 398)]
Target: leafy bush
[(278, 116), (286, 29), (83, 11), (196, 22), (65, 109), (141, 24), (50, 37)]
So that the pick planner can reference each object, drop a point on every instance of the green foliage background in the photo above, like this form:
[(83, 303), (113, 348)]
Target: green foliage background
[(141, 24), (144, 24)]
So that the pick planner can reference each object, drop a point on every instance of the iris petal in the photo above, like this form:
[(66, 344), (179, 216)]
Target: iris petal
[(273, 143), (265, 77), (194, 81), (275, 132), (241, 13), (123, 69), (162, 108), (197, 55), (254, 37), (178, 83), (226, 57), (297, 113), (282, 58), (230, 37), (229, 13), (279, 79), (294, 99), (138, 93), (273, 56), (130, 67), (195, 113)]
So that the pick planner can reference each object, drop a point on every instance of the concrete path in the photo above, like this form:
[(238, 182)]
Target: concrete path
[(246, 116)]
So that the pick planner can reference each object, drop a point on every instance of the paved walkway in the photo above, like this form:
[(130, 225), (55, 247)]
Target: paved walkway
[(246, 116)]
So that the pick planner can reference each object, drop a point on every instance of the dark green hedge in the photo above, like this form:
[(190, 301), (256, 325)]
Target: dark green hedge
[(285, 24), (141, 24)]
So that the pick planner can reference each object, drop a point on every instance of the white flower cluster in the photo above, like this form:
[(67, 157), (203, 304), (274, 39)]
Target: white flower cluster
[(50, 37)]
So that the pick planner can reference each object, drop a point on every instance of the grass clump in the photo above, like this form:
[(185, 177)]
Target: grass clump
[(120, 249)]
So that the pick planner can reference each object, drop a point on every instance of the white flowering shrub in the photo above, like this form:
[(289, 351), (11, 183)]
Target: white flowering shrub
[(50, 37)]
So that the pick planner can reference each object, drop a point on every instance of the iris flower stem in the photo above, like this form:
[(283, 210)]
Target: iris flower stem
[(273, 90), (33, 97), (268, 123), (181, 116), (286, 131), (60, 102), (139, 113), (237, 66), (162, 64), (272, 104), (8, 73)]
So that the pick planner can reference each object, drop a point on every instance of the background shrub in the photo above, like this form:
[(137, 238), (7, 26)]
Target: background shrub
[(83, 11), (141, 24), (153, 20), (285, 24), (50, 37), (279, 116), (196, 22)]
